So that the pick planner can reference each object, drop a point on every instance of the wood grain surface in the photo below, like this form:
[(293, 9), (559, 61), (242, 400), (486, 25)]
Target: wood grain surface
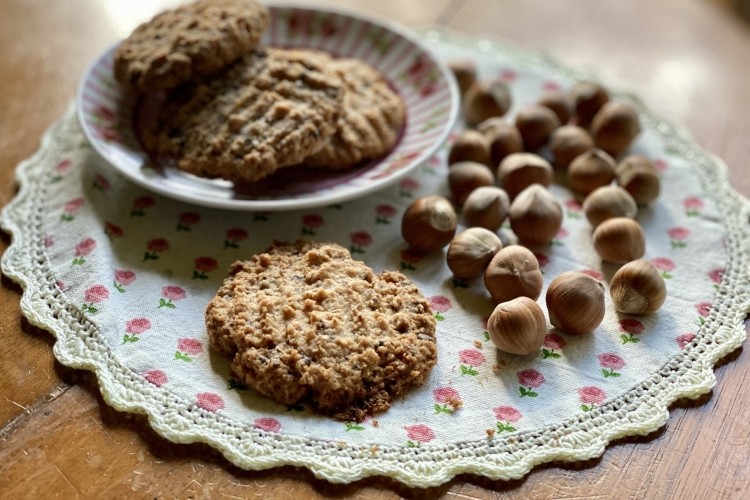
[(688, 60)]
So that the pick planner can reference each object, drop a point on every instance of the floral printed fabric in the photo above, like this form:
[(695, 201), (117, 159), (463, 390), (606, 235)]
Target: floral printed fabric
[(142, 267)]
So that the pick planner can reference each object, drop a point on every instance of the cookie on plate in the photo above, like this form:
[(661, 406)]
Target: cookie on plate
[(189, 42), (305, 322), (371, 119), (270, 109)]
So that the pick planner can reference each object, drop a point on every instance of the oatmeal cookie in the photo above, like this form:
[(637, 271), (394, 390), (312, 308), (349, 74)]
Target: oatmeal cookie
[(305, 322), (270, 109), (371, 119), (188, 42)]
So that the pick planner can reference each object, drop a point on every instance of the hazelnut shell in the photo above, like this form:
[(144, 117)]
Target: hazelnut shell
[(590, 170), (607, 202), (535, 215), (513, 272), (575, 302), (567, 142), (536, 123), (520, 170), (615, 127), (486, 207), (638, 288), (471, 251), (465, 176), (484, 100), (619, 240), (429, 223), (517, 326)]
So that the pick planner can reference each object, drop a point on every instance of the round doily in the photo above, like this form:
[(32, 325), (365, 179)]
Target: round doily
[(121, 277)]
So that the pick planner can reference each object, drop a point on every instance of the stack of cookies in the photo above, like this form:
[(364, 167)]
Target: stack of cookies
[(232, 109)]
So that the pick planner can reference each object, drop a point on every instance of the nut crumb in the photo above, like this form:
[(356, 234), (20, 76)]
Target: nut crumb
[(478, 344), (374, 450), (490, 433), (454, 403), (375, 423)]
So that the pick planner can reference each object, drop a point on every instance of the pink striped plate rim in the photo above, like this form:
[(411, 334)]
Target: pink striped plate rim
[(106, 112)]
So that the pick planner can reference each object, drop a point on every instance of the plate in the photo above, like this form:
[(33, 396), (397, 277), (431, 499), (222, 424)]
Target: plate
[(106, 113)]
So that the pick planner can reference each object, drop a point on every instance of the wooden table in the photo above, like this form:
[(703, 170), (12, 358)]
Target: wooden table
[(689, 61)]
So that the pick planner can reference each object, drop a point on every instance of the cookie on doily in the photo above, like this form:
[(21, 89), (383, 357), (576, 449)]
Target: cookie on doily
[(188, 42), (371, 119), (270, 109), (305, 322)]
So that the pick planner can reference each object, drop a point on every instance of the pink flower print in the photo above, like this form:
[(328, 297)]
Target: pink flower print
[(209, 401), (169, 294), (59, 284), (94, 295), (202, 266), (187, 220), (418, 434), (267, 424), (48, 241), (508, 75), (234, 236), (664, 265), (597, 275), (63, 166), (704, 309), (104, 113), (677, 236), (407, 187), (140, 205), (684, 339), (716, 275), (112, 230), (693, 206), (409, 258), (447, 400), (156, 377), (440, 304), (550, 86), (384, 213), (610, 363), (154, 248), (552, 343), (310, 223), (505, 416), (661, 165), (631, 327), (541, 258), (591, 396), (134, 327), (187, 348), (470, 358), (108, 134), (122, 279), (83, 248), (359, 240), (573, 208), (70, 208), (101, 183), (529, 379)]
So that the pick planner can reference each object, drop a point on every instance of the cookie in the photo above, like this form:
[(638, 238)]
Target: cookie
[(304, 322), (270, 109), (189, 42), (371, 119)]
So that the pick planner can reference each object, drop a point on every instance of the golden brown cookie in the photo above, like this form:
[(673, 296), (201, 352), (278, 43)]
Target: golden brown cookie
[(371, 119), (305, 322), (270, 109), (188, 42)]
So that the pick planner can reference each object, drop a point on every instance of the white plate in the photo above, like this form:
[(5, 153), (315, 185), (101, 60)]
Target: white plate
[(106, 111)]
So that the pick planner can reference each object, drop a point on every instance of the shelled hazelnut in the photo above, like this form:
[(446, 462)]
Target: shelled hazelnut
[(471, 251), (517, 326), (567, 142), (465, 71), (520, 170), (429, 223), (607, 202), (504, 138), (465, 176), (638, 176), (470, 145), (559, 102), (619, 240), (536, 123), (485, 99), (590, 170), (575, 302), (588, 98), (535, 215), (486, 207), (615, 127), (513, 272), (638, 288)]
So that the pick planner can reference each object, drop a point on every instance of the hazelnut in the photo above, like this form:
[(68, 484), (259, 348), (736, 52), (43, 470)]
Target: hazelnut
[(520, 170), (590, 170), (535, 215), (429, 223), (486, 207), (513, 272), (638, 176), (619, 240), (517, 326), (465, 71), (470, 145), (638, 288), (484, 100), (536, 123), (575, 302), (465, 176), (504, 138), (471, 251), (607, 202), (567, 142), (615, 127), (588, 98), (559, 102)]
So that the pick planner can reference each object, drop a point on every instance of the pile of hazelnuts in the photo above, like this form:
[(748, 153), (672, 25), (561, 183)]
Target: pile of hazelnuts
[(499, 169)]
